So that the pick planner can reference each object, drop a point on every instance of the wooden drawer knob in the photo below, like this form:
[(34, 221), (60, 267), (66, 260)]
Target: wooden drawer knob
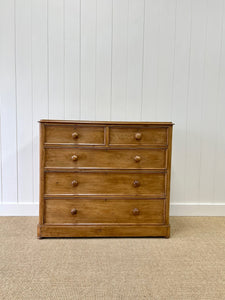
[(75, 135), (73, 211), (136, 212), (74, 157), (138, 136), (137, 158), (74, 183), (136, 183)]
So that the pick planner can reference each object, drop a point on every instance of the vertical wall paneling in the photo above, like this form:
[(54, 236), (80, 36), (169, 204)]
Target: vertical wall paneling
[(180, 95), (39, 80), (72, 59), (103, 59), (194, 105), (135, 59), (88, 59), (150, 59), (0, 154), (210, 100), (24, 100), (8, 102), (119, 59), (56, 58), (219, 175), (166, 59)]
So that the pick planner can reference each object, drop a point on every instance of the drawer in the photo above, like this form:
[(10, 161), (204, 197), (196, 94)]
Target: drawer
[(95, 183), (96, 158), (104, 211), (138, 136), (74, 134)]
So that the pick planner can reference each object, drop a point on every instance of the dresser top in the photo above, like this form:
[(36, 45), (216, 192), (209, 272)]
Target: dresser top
[(105, 122)]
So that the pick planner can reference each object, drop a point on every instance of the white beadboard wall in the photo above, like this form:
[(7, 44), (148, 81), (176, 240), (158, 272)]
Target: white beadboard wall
[(150, 60)]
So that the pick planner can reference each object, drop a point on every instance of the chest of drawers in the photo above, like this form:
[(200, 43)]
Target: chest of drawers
[(102, 179)]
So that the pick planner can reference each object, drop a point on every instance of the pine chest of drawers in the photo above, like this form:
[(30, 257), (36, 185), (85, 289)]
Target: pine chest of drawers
[(102, 179)]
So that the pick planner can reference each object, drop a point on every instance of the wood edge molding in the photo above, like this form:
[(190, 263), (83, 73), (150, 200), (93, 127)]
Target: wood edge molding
[(49, 121), (103, 146), (66, 169), (103, 231), (118, 171), (104, 196), (168, 174), (42, 174), (104, 224)]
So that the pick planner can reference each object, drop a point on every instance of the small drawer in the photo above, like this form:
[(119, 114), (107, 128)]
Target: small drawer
[(142, 136), (105, 183), (75, 134), (104, 211), (110, 158)]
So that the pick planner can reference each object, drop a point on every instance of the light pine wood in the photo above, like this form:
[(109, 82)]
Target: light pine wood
[(103, 230), (100, 158), (104, 178), (41, 183), (167, 203), (74, 134), (138, 136), (94, 183), (104, 211)]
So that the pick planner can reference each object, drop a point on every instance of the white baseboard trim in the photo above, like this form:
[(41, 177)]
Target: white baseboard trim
[(16, 209), (196, 209), (176, 209)]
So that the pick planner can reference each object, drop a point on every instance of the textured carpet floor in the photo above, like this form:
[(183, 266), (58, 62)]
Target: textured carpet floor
[(189, 265)]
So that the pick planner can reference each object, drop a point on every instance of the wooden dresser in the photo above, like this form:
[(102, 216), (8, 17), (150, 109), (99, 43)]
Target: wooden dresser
[(102, 179)]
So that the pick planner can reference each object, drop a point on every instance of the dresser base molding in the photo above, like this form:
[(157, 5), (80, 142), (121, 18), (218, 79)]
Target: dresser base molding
[(46, 231)]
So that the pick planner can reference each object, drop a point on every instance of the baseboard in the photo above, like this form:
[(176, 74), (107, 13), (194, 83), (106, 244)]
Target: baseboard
[(16, 209), (196, 209), (176, 209)]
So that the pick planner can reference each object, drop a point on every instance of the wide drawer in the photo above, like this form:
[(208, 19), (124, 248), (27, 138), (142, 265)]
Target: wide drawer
[(113, 158), (138, 136), (105, 183), (74, 134), (104, 211)]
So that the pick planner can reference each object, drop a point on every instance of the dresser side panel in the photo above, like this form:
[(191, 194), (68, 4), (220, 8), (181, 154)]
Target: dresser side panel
[(168, 176), (42, 180)]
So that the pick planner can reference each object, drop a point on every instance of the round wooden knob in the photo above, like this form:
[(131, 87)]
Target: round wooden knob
[(136, 183), (74, 157), (75, 135), (137, 158), (138, 136), (74, 183), (73, 211), (136, 212)]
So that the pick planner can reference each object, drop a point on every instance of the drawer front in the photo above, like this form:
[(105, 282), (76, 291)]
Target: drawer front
[(84, 158), (138, 136), (95, 183), (74, 134), (104, 211)]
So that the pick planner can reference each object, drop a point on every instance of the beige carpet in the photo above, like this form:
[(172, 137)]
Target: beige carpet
[(189, 265)]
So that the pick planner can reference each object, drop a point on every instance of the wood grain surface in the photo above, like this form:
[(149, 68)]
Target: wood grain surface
[(104, 178), (104, 211), (102, 158)]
